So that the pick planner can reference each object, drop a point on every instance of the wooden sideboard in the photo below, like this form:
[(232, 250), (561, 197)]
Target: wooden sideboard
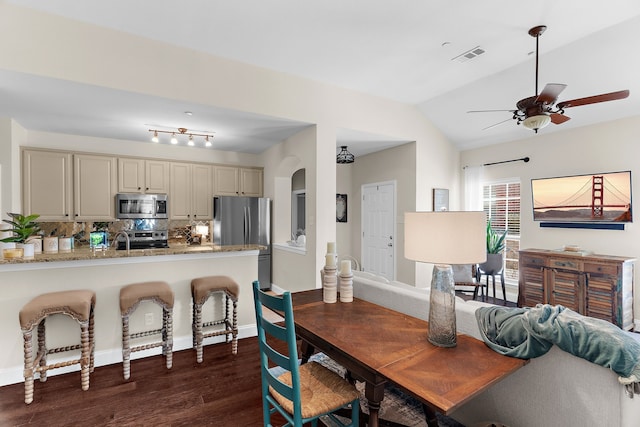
[(599, 286)]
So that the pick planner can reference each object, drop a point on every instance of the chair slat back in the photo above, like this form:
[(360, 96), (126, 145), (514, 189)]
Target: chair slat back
[(281, 332)]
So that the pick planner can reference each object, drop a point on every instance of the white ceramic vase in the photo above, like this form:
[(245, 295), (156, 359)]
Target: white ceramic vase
[(28, 250)]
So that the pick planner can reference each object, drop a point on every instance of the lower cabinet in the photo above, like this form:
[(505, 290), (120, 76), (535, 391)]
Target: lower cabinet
[(599, 286)]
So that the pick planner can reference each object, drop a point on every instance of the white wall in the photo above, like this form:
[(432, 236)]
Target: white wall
[(606, 147)]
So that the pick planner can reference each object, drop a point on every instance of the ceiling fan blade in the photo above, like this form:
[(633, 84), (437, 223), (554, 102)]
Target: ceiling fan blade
[(558, 119), (621, 94), (550, 93), (497, 124)]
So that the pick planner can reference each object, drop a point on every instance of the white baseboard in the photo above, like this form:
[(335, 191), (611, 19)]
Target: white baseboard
[(14, 375)]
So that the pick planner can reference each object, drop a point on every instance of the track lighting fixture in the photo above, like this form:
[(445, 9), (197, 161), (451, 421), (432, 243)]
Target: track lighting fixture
[(183, 131)]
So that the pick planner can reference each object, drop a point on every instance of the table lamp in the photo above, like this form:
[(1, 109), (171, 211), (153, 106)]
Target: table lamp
[(444, 238)]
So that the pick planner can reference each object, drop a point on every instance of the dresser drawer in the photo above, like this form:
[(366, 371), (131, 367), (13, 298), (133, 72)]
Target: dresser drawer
[(567, 264), (611, 270), (532, 261)]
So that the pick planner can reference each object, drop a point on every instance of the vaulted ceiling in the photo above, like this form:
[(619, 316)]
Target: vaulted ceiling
[(410, 51)]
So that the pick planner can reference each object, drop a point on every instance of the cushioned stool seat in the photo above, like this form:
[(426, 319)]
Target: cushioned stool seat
[(130, 298), (79, 305), (201, 289)]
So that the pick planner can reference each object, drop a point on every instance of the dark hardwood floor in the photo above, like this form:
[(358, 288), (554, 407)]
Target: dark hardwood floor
[(222, 391)]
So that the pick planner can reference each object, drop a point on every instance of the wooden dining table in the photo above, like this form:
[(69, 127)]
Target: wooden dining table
[(378, 345)]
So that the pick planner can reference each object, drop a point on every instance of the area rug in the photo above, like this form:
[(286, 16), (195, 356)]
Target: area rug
[(396, 407)]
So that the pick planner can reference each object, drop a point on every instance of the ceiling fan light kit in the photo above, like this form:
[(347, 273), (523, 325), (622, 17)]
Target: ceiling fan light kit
[(536, 122), (536, 112)]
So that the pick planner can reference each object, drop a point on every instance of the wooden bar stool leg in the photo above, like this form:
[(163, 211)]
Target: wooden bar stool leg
[(28, 366), (92, 342), (126, 350), (42, 349), (85, 358), (234, 343), (227, 324), (168, 341), (199, 335), (193, 324)]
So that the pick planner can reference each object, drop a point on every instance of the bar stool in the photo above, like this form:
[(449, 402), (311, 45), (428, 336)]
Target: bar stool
[(130, 298), (201, 289), (79, 305)]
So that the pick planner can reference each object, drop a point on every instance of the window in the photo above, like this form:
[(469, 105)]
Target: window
[(501, 203)]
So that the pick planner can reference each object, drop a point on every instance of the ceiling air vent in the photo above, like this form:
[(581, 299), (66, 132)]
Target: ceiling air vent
[(470, 54)]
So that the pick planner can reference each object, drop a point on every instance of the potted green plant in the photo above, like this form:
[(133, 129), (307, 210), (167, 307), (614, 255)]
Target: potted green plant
[(495, 249), (22, 227)]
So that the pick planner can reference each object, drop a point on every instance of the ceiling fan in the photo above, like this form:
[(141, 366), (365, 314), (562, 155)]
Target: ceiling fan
[(536, 112)]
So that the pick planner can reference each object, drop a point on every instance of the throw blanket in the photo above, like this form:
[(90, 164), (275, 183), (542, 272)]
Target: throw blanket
[(530, 332)]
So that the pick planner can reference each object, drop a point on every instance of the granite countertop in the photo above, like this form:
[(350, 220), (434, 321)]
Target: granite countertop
[(85, 253)]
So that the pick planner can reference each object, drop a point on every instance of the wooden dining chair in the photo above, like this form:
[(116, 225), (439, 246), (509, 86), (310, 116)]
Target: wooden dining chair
[(301, 393)]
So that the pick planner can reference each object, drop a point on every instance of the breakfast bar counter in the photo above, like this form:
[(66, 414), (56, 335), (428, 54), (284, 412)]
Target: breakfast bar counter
[(106, 273), (87, 254)]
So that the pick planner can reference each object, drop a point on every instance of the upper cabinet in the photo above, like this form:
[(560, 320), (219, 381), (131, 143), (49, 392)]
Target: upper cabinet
[(143, 176), (238, 181), (191, 192), (46, 184), (95, 184), (61, 186)]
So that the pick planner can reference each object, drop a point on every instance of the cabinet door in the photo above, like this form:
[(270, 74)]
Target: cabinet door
[(601, 292), (130, 175), (95, 185), (202, 196), (180, 191), (46, 184), (532, 281), (251, 182), (226, 181), (156, 177), (566, 288)]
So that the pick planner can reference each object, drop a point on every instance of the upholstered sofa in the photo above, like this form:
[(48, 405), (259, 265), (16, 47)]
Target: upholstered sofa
[(557, 389)]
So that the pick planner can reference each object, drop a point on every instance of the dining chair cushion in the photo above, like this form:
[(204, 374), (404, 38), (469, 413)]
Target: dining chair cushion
[(321, 390)]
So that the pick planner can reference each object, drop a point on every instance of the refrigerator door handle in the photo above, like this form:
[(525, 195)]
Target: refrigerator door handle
[(246, 225)]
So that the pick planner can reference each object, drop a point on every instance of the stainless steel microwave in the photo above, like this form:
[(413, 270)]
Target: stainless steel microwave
[(133, 206)]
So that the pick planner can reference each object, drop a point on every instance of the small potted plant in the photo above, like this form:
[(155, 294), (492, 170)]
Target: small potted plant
[(22, 227), (495, 247)]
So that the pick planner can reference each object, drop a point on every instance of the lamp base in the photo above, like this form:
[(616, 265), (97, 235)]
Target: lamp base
[(442, 307)]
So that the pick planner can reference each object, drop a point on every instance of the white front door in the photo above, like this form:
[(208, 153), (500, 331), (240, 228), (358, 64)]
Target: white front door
[(378, 229)]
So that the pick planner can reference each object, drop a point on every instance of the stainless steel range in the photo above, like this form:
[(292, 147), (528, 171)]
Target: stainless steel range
[(144, 234), (144, 239)]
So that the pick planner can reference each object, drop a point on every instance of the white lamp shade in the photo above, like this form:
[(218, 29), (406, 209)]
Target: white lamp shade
[(445, 237)]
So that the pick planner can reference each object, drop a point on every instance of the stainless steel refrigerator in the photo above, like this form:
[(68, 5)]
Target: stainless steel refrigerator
[(245, 221)]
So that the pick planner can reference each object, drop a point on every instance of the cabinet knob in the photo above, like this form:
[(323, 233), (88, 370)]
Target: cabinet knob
[(139, 188)]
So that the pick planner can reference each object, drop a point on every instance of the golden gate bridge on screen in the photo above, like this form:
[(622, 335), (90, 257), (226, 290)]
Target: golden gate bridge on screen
[(597, 196)]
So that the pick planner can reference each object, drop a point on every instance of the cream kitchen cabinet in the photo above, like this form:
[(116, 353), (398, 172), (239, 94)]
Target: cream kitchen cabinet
[(95, 185), (47, 184), (143, 176), (61, 186), (238, 181), (191, 191)]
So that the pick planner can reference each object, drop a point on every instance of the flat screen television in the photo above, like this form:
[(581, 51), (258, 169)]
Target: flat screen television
[(596, 198)]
